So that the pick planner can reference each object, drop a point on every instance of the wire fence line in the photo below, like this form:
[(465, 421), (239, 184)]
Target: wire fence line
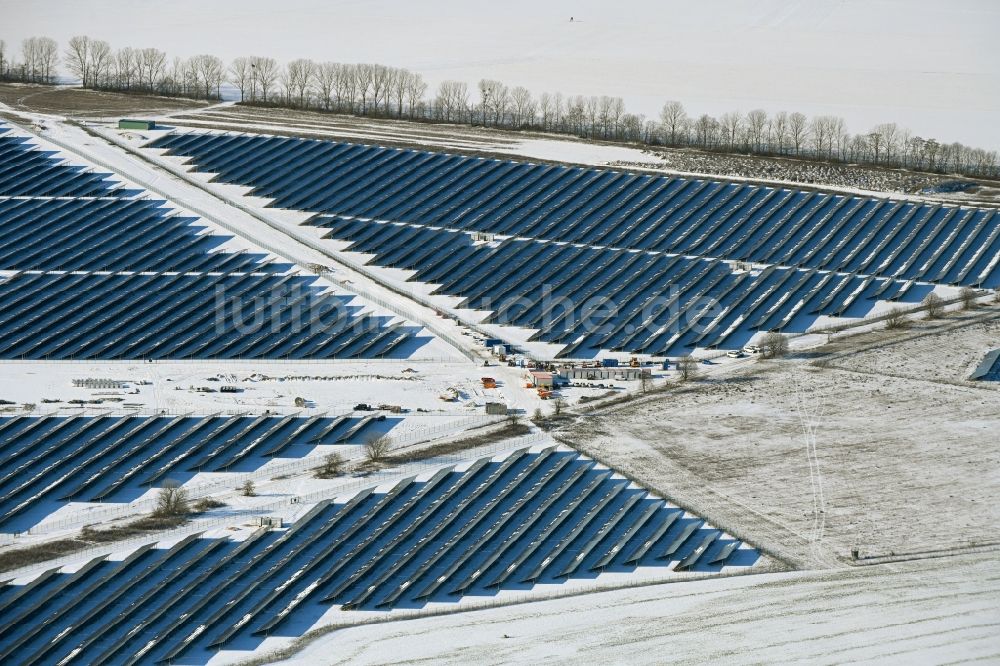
[(229, 482), (289, 507)]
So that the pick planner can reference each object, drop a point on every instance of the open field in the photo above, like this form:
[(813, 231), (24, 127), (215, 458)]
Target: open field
[(901, 463), (80, 103)]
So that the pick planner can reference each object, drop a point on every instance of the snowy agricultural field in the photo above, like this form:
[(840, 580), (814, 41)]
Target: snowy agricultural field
[(874, 443), (925, 65)]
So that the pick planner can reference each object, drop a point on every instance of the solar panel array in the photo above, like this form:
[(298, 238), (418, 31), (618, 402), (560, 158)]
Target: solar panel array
[(507, 524), (92, 272), (48, 461), (605, 234)]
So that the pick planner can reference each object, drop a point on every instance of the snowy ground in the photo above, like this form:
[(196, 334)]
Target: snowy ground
[(894, 463), (326, 386), (925, 65), (929, 611)]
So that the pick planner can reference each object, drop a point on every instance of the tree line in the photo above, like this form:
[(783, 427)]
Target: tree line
[(377, 90)]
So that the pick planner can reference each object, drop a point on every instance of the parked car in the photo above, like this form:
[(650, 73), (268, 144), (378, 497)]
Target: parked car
[(751, 349), (734, 353)]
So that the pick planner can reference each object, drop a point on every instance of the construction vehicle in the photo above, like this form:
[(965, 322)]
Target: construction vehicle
[(633, 362), (544, 394), (489, 382)]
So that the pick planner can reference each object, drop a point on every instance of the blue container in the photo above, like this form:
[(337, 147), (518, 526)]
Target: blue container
[(609, 362)]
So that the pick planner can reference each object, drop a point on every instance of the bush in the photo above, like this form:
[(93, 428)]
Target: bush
[(207, 504), (333, 465), (774, 345), (377, 448), (248, 489), (934, 305), (687, 367), (895, 319), (968, 296)]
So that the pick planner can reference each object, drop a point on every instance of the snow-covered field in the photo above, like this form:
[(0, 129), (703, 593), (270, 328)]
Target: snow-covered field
[(929, 611), (925, 65), (815, 462)]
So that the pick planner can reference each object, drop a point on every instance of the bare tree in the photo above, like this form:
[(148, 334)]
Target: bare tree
[(40, 55), (934, 305), (558, 406), (798, 131), (346, 87), (99, 59), (126, 67), (265, 75), (4, 66), (172, 501), (400, 80), (78, 58), (333, 465), (487, 89), (240, 75), (674, 119), (416, 87), (756, 125), (687, 366), (152, 63), (731, 123), (297, 80), (778, 132), (248, 489), (452, 100), (364, 85), (522, 107)]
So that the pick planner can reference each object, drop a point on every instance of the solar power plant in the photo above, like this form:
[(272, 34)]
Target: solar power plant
[(48, 461), (508, 524), (652, 245), (90, 271)]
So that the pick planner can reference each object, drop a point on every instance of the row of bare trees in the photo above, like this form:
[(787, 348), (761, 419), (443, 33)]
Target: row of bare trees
[(39, 59), (143, 70), (822, 137), (379, 90), (363, 89)]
